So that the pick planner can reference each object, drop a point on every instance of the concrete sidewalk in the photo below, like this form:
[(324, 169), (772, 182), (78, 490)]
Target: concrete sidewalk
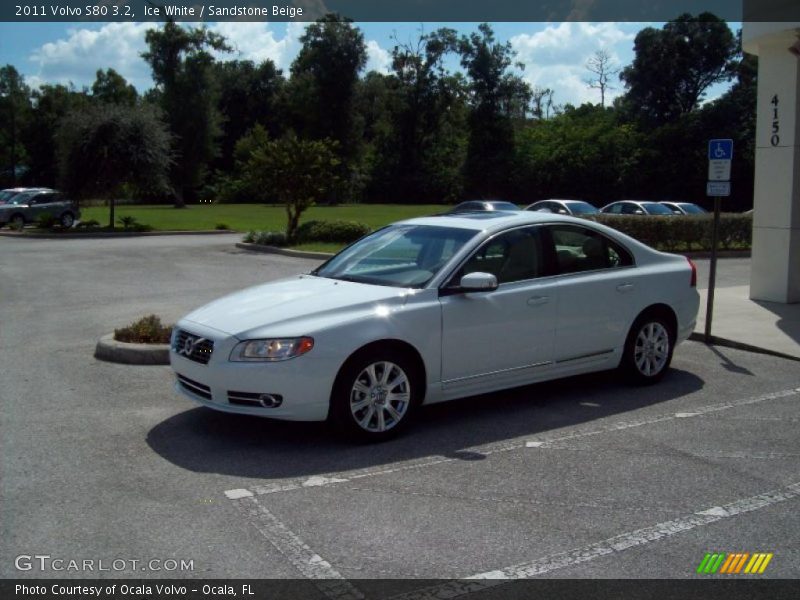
[(745, 322)]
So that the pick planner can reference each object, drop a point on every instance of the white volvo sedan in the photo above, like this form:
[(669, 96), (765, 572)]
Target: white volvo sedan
[(438, 308)]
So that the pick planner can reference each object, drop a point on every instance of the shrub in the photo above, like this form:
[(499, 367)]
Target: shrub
[(47, 220), (90, 224), (339, 232), (249, 237), (683, 233), (129, 223), (147, 330), (221, 227), (270, 238)]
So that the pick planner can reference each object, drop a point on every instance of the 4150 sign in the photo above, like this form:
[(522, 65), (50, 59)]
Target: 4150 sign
[(776, 127)]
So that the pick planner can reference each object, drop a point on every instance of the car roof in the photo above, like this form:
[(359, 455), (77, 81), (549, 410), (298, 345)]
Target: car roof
[(491, 220)]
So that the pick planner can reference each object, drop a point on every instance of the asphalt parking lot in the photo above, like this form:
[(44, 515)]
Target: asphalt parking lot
[(581, 478)]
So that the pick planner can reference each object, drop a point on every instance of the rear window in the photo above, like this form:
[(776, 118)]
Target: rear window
[(581, 249)]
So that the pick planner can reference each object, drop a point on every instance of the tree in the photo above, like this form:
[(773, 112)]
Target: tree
[(422, 158), (542, 102), (112, 88), (675, 65), (299, 172), (602, 69), (497, 98), (584, 152), (323, 87), (104, 147), (50, 104), (182, 66), (249, 96), (14, 106)]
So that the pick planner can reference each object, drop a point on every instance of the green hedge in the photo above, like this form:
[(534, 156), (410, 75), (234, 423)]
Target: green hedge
[(685, 232), (338, 232)]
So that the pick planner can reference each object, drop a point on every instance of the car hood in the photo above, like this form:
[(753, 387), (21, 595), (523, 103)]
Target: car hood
[(293, 306)]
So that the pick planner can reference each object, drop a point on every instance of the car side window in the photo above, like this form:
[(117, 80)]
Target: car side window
[(512, 256), (615, 209), (580, 249), (629, 209)]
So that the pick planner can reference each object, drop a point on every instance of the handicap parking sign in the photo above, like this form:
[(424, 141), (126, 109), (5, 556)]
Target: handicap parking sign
[(720, 150)]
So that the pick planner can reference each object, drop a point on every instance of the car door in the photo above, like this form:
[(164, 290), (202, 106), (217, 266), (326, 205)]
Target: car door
[(598, 290), (36, 206), (504, 337)]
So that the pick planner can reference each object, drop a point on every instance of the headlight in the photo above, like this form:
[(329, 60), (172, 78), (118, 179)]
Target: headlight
[(271, 350)]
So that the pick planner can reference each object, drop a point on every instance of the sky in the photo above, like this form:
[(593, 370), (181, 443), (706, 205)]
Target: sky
[(554, 54)]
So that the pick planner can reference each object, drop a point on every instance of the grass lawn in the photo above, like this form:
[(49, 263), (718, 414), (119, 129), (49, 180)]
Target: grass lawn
[(244, 217)]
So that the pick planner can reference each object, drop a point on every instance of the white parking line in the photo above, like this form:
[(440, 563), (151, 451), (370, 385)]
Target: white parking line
[(540, 441), (312, 566), (333, 585), (618, 543)]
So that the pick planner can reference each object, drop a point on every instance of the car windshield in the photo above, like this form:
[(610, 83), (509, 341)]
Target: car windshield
[(582, 208), (504, 206), (654, 208), (406, 256), (692, 209)]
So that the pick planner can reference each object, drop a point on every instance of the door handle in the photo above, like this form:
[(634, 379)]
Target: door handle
[(538, 300), (624, 287)]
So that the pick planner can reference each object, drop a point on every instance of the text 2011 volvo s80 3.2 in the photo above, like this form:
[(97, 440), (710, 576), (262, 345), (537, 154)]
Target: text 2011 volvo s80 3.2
[(438, 308)]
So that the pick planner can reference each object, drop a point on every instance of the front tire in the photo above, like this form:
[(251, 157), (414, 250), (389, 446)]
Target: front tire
[(648, 349), (375, 395)]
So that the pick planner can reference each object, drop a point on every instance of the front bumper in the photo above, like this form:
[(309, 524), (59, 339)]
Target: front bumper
[(304, 383)]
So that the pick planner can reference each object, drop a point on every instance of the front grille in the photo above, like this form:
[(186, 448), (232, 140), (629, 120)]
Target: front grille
[(193, 347), (194, 387), (258, 400)]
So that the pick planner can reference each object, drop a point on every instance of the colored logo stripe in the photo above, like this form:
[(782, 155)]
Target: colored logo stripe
[(733, 562)]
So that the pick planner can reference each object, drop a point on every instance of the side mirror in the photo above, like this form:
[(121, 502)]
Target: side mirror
[(639, 211), (478, 282), (562, 211)]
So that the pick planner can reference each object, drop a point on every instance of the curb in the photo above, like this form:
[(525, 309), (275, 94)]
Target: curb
[(283, 251), (121, 234), (110, 350), (718, 341)]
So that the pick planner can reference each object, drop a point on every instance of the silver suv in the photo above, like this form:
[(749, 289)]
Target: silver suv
[(28, 207)]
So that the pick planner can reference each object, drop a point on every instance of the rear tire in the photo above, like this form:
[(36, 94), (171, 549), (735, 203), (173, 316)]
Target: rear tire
[(648, 349), (375, 395), (67, 220)]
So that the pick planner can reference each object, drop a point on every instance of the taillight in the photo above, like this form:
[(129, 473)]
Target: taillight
[(693, 280)]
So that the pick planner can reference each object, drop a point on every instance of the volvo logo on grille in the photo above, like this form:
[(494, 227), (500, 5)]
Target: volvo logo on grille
[(189, 344)]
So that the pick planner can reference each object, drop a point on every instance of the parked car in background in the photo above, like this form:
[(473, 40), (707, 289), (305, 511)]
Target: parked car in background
[(685, 208), (483, 205), (574, 208), (434, 309), (7, 194), (29, 206), (636, 207)]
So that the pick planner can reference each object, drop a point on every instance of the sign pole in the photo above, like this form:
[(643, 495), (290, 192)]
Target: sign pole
[(720, 155), (712, 275)]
